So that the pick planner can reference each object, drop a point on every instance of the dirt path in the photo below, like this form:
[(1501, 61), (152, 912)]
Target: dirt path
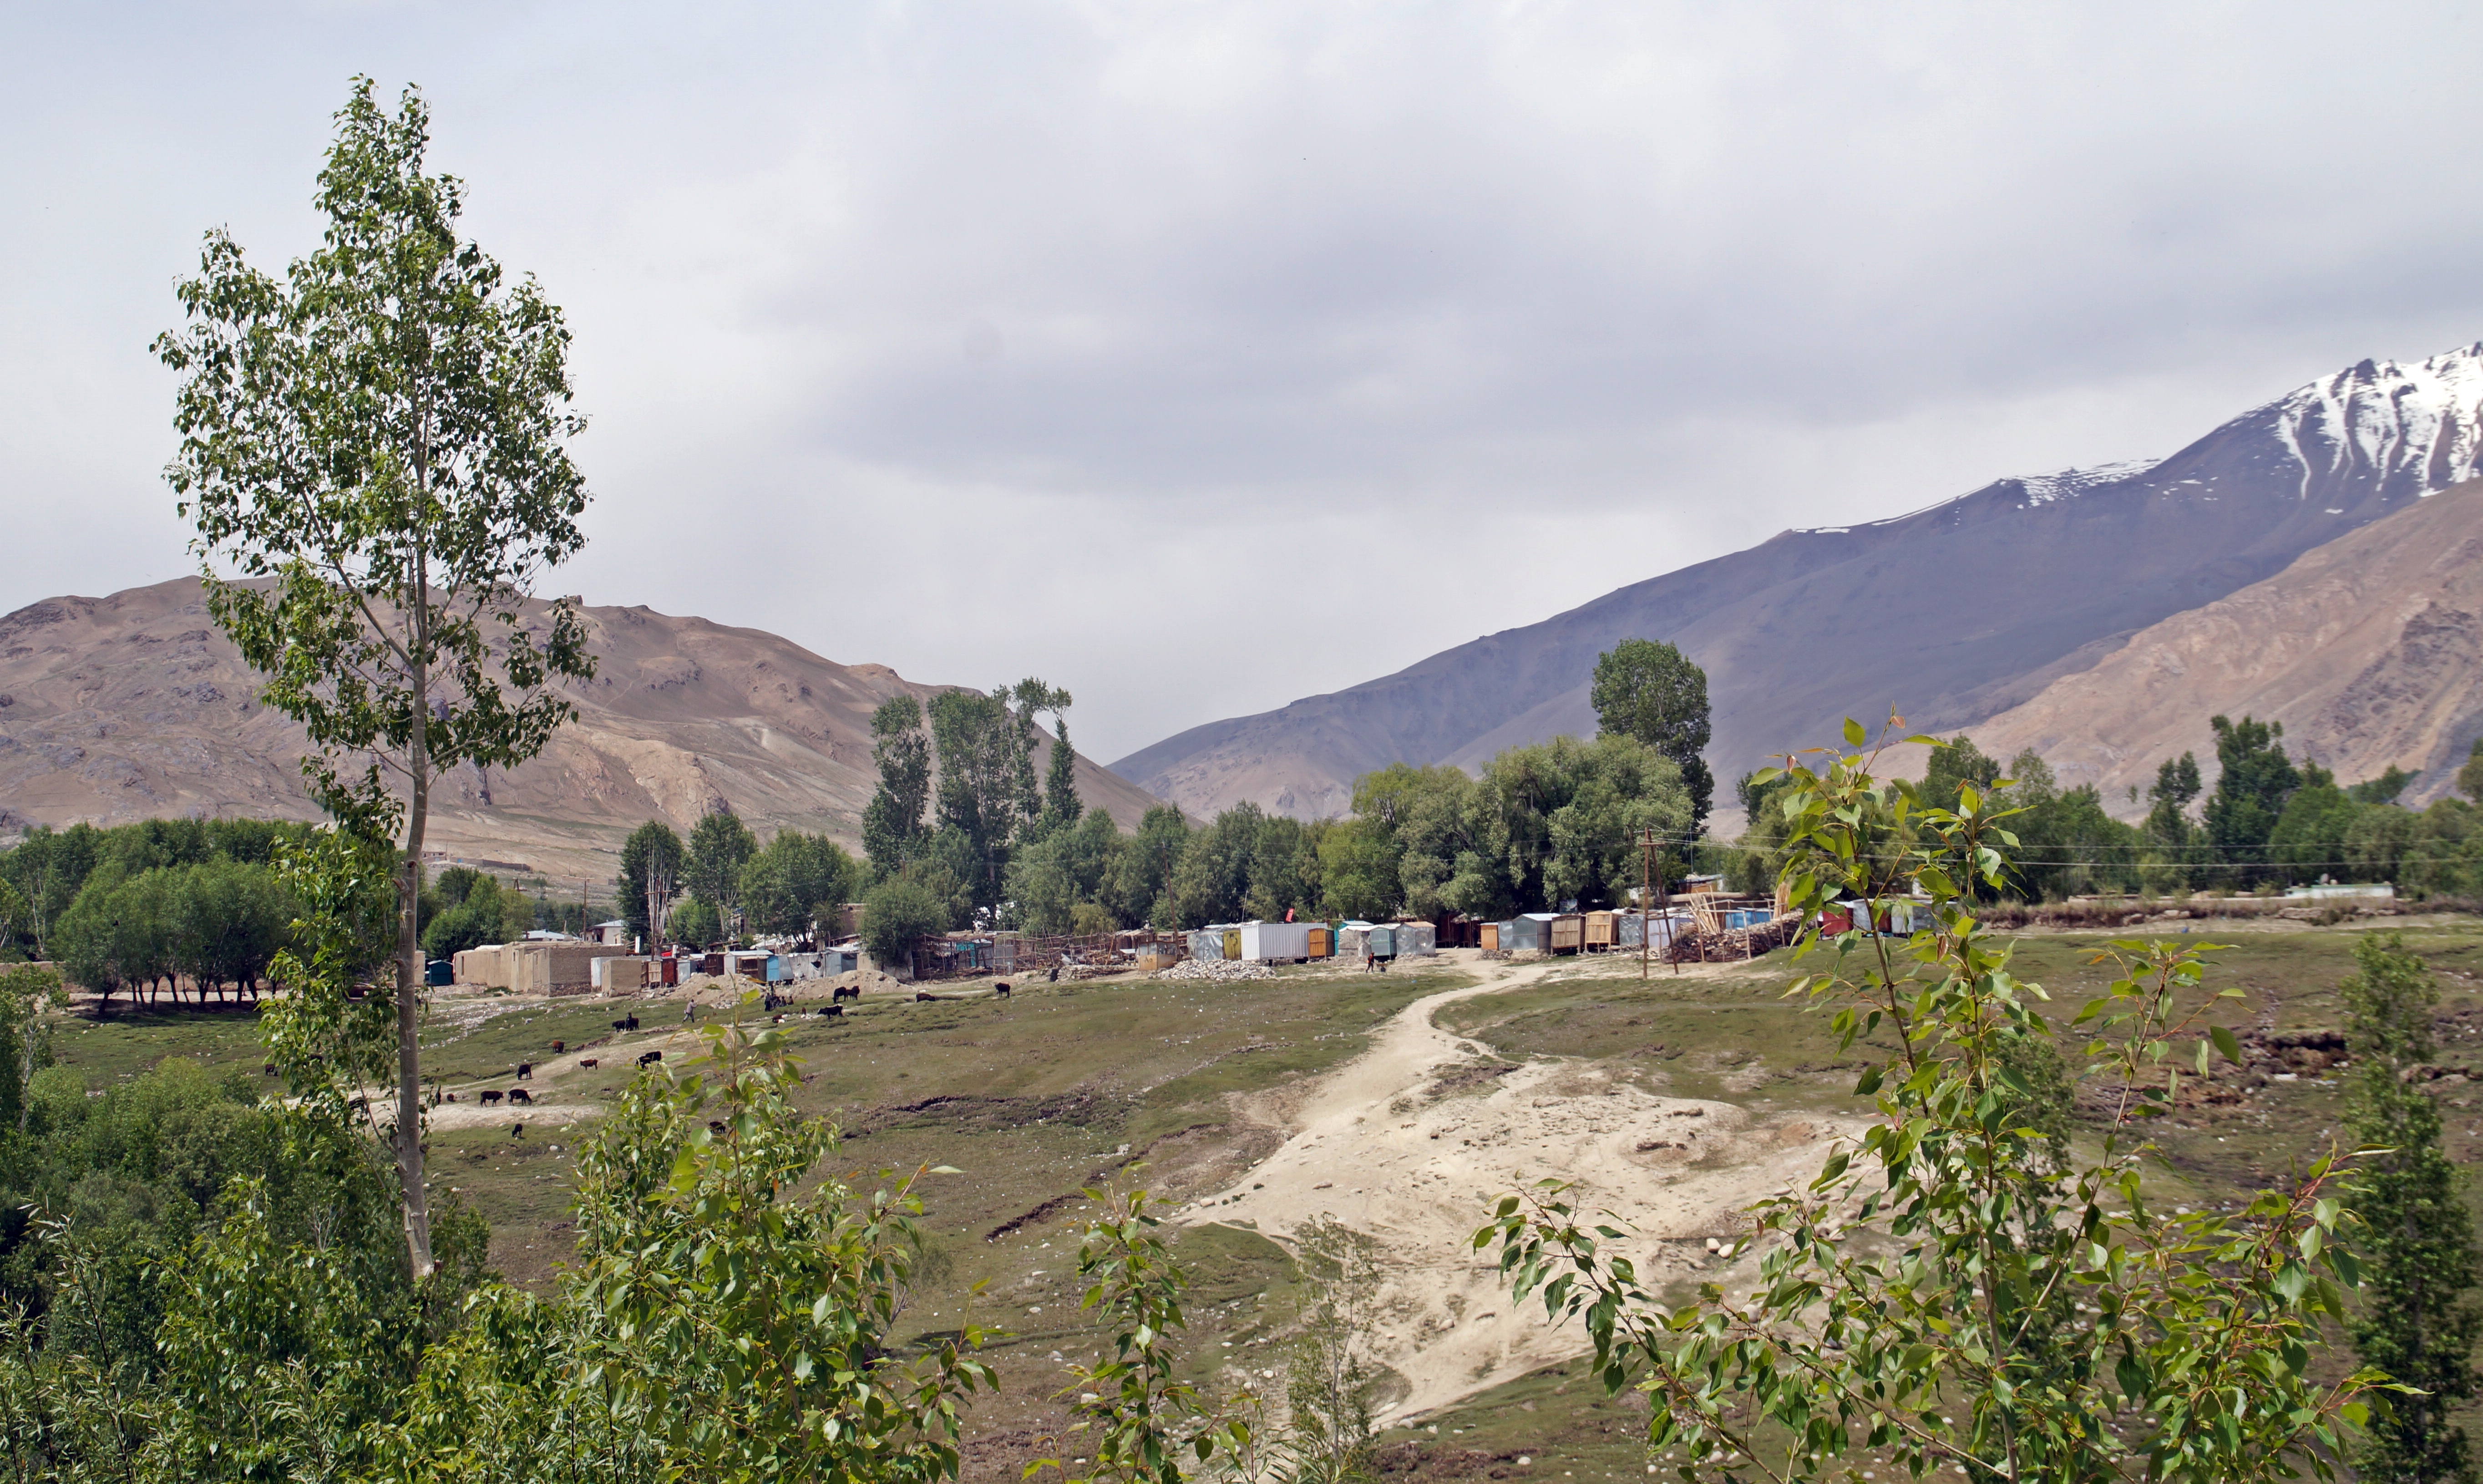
[(1382, 1145)]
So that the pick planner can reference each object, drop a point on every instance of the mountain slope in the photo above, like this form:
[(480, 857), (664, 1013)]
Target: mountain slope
[(1953, 613), (2369, 650), (135, 706)]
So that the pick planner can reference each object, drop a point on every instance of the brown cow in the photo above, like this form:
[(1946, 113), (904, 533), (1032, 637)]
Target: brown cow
[(520, 1095), (586, 1061)]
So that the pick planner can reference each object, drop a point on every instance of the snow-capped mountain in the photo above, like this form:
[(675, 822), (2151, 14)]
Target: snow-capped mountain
[(1951, 614)]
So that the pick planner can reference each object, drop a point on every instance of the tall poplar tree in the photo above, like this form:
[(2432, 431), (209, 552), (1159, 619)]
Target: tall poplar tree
[(1654, 693), (373, 446), (2419, 1322), (891, 823)]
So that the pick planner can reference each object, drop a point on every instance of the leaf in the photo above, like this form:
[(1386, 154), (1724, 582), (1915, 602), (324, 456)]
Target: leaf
[(1855, 735), (2227, 1046), (1869, 1083)]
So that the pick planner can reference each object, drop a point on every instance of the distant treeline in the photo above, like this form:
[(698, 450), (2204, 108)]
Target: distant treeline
[(2270, 822), (148, 908)]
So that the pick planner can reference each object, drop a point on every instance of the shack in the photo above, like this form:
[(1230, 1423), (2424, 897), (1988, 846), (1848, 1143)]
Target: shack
[(1603, 931), (1322, 941), (1274, 943), (1569, 933), (619, 976), (536, 967), (1529, 930), (1416, 939)]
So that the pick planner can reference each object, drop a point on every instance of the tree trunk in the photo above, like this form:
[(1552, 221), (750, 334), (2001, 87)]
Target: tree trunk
[(408, 945)]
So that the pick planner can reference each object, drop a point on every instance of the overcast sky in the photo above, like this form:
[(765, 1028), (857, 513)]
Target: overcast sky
[(1200, 357)]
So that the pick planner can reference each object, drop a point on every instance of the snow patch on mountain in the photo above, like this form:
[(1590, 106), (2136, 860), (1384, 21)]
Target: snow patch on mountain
[(2418, 427)]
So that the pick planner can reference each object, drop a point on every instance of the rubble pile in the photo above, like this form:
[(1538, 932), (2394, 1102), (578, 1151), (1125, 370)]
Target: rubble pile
[(1216, 968)]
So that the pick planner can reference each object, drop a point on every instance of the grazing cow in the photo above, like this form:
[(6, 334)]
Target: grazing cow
[(516, 1130), (924, 997), (525, 1071), (650, 1058), (779, 1021), (521, 1094), (1055, 973), (629, 1023), (271, 1068), (490, 1097), (845, 992), (559, 1046), (1001, 989), (832, 1012), (452, 1097), (586, 1061)]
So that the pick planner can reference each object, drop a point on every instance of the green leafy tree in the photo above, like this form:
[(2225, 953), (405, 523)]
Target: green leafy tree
[(2385, 788), (1561, 821), (1136, 889), (652, 861), (2469, 774), (26, 991), (380, 436), (1652, 692), (1944, 1292), (892, 824), (732, 1314), (1051, 879), (1060, 807), (897, 914), (2420, 1319), (719, 848), (2309, 835), (985, 790), (2255, 780), (797, 880)]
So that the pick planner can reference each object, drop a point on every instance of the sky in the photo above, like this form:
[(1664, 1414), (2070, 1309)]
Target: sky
[(1199, 356)]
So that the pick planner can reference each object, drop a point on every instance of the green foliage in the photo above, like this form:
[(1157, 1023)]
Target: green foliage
[(1245, 863), (985, 790), (797, 880), (1358, 871), (892, 826), (2469, 774), (2420, 1319), (482, 911), (652, 861), (381, 434), (1560, 821), (2310, 834), (1136, 1419), (1942, 1292), (719, 848), (695, 921), (26, 991), (1072, 867), (1330, 1385), (2385, 788), (2255, 780), (731, 1314), (1136, 890), (1652, 692), (897, 914)]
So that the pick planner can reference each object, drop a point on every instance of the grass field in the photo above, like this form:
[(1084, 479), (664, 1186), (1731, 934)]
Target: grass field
[(1068, 1085)]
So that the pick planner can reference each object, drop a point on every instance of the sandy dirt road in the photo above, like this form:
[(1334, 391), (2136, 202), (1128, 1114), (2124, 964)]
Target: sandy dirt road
[(1375, 1144)]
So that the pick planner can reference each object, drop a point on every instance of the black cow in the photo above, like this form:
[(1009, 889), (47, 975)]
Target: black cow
[(520, 1095), (559, 1046), (490, 1097), (516, 1130), (832, 1012), (586, 1061), (625, 1022), (525, 1071), (650, 1058), (924, 998), (845, 992), (1000, 990)]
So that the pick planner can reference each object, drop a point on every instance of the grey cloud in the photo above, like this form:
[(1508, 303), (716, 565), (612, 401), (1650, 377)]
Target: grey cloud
[(1169, 312)]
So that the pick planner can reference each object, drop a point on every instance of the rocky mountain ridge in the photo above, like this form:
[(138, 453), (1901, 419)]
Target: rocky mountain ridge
[(1953, 614), (135, 706)]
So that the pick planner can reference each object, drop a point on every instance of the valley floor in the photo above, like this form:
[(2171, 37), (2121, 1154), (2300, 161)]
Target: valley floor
[(1403, 1103)]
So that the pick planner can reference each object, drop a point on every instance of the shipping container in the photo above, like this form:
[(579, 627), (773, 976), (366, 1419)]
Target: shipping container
[(1274, 943)]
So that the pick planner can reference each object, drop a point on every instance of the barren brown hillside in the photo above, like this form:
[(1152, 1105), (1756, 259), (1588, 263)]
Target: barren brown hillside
[(134, 706), (2369, 650)]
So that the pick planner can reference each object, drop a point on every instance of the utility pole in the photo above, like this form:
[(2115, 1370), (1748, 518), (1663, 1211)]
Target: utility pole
[(1645, 900)]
